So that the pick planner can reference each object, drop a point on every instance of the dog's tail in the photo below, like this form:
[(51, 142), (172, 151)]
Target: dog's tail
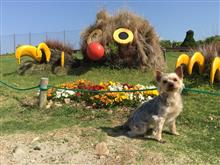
[(120, 130), (123, 127)]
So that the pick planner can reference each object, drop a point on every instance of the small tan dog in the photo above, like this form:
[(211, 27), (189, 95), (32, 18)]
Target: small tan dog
[(164, 108)]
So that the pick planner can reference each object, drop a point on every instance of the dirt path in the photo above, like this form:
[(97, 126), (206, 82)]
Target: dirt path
[(73, 146)]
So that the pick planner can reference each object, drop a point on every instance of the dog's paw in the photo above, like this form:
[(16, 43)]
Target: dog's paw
[(131, 134), (175, 133), (148, 137), (162, 141)]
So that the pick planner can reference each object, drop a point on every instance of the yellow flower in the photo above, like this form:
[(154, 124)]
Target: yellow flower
[(121, 96), (151, 92), (111, 83)]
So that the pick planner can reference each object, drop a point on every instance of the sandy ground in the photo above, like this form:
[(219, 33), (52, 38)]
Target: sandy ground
[(73, 146)]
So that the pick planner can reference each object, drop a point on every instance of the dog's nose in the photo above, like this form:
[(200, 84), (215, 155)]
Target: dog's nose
[(170, 84)]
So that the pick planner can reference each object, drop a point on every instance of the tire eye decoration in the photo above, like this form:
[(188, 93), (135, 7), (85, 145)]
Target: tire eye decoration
[(95, 36), (123, 36)]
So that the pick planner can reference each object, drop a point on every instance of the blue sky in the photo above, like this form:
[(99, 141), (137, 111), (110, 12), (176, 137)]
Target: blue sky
[(171, 18)]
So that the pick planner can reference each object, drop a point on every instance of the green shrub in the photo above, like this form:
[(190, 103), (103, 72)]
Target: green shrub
[(166, 43), (189, 40), (212, 39)]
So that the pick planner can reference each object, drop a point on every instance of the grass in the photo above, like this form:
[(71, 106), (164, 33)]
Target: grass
[(199, 124)]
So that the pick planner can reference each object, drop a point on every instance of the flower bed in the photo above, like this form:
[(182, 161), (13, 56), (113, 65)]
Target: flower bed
[(103, 94)]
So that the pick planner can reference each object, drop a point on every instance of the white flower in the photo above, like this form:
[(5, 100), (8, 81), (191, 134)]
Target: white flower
[(125, 87), (112, 88), (58, 95), (141, 97), (151, 87), (64, 95), (130, 96), (70, 92), (149, 98), (140, 86), (120, 88)]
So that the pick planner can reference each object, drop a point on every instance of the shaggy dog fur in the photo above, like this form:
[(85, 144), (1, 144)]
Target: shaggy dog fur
[(164, 108)]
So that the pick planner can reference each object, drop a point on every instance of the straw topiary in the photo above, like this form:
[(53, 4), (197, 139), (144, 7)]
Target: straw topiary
[(210, 51), (128, 40)]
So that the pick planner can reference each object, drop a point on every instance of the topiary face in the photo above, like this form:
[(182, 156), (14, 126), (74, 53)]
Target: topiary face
[(127, 39)]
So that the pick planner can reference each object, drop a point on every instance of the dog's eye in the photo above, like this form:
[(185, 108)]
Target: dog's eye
[(164, 81), (175, 79)]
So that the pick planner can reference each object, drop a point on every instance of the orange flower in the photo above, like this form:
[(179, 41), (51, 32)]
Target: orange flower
[(49, 92), (112, 94)]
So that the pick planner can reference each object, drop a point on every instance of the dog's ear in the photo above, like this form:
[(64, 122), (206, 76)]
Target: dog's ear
[(179, 72), (158, 75)]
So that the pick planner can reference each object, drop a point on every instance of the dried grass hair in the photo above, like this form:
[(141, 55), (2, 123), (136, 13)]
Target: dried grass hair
[(210, 51), (144, 52), (58, 45)]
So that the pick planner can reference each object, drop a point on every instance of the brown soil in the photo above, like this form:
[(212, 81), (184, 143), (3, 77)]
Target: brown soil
[(72, 146)]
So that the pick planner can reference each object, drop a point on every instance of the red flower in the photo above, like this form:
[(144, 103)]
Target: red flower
[(78, 94)]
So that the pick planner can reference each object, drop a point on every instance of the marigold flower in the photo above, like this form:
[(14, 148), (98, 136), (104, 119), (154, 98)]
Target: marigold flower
[(103, 99)]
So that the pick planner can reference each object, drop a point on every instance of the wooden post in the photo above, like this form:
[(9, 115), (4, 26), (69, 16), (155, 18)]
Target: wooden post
[(43, 92)]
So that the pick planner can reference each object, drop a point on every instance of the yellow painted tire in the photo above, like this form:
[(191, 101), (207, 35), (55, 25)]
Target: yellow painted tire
[(43, 47), (215, 69), (182, 59), (197, 58), (28, 50), (95, 36), (123, 36), (62, 59)]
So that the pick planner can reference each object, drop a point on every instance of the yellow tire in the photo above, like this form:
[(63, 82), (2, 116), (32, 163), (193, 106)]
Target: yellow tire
[(28, 50), (43, 47), (123, 36), (215, 69), (95, 36), (182, 59), (199, 59)]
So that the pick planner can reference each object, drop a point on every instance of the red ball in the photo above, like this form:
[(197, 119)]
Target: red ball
[(95, 51)]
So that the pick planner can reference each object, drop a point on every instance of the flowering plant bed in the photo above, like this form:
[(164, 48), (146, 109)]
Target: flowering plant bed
[(103, 94)]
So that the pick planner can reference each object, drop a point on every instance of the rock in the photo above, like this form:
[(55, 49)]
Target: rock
[(102, 157), (67, 100), (19, 152), (210, 118), (117, 157), (35, 139), (58, 104), (49, 104), (102, 149)]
